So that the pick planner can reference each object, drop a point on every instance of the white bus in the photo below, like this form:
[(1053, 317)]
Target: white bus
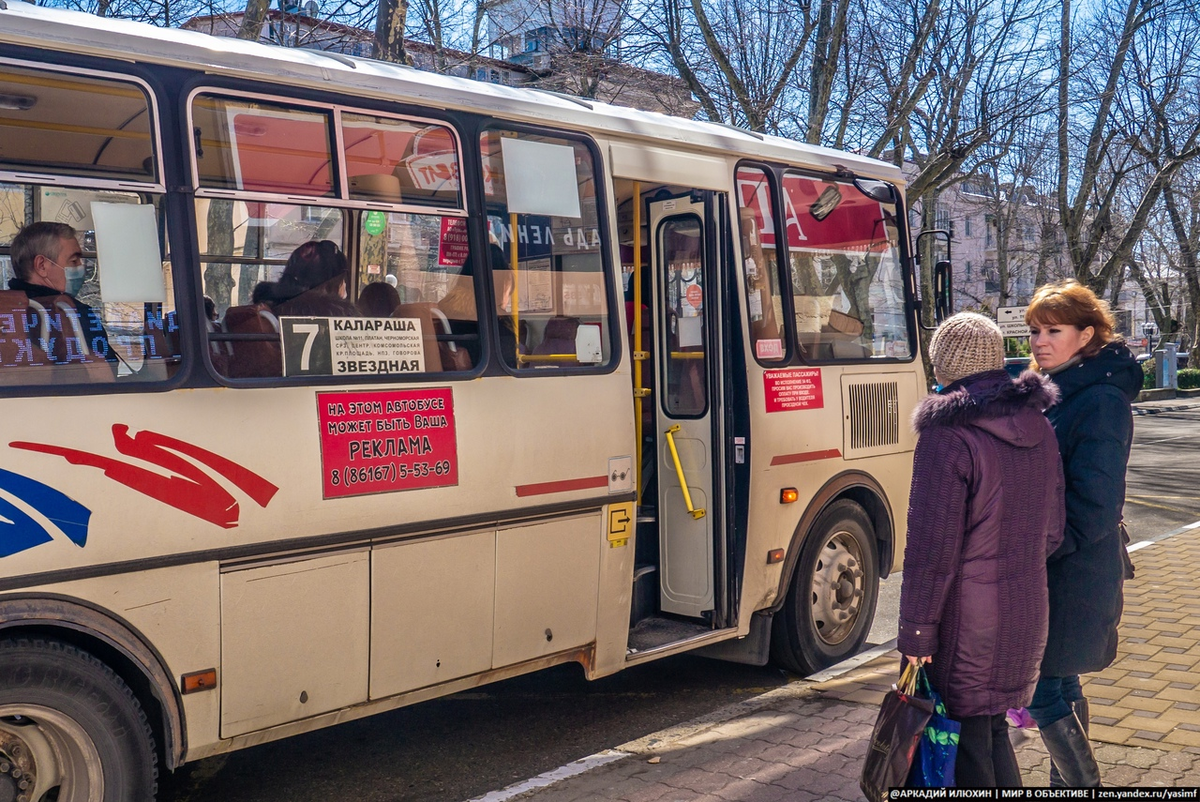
[(639, 385)]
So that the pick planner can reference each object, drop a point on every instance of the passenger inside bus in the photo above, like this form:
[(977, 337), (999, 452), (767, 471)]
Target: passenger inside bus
[(378, 299), (313, 283), (48, 269)]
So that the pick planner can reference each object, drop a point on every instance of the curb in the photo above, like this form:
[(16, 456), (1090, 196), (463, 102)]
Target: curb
[(648, 745), (1148, 410)]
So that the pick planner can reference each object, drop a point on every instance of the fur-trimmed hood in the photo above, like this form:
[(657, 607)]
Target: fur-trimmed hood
[(1010, 409)]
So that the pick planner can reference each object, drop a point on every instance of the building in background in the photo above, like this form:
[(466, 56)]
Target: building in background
[(582, 66)]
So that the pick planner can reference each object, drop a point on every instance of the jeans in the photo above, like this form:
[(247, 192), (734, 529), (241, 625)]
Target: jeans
[(1052, 699)]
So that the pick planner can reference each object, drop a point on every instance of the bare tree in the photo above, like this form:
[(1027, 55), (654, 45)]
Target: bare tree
[(739, 57), (1125, 79)]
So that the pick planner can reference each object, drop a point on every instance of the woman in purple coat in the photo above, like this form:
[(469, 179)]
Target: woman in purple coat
[(985, 510)]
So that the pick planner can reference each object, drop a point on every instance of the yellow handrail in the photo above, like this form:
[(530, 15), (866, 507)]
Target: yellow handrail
[(639, 392), (683, 485)]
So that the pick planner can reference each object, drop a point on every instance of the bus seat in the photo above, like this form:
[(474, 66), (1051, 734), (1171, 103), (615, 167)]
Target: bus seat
[(375, 186), (17, 347), (559, 337), (252, 359), (423, 313), (70, 352)]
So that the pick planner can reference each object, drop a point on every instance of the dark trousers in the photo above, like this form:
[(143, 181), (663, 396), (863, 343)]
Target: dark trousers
[(985, 755)]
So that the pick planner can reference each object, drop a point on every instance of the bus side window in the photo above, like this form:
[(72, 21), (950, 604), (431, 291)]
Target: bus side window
[(427, 259), (760, 264), (282, 320), (548, 257), (101, 319)]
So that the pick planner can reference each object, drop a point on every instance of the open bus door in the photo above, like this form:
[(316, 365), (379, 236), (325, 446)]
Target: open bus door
[(688, 566), (685, 305)]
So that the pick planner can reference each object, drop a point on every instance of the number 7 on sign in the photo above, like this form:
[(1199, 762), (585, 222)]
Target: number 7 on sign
[(311, 330)]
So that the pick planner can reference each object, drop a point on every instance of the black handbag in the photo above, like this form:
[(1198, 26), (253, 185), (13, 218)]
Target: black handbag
[(898, 728)]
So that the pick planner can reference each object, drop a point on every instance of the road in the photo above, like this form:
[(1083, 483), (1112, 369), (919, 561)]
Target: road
[(463, 746)]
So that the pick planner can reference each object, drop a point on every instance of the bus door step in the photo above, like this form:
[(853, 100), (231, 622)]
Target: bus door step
[(644, 603)]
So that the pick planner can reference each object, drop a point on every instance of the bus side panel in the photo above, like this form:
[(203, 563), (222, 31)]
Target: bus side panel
[(432, 611), (294, 640), (177, 611), (546, 584), (805, 449)]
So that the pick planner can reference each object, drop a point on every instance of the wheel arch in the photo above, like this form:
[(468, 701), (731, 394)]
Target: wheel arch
[(114, 641), (868, 494)]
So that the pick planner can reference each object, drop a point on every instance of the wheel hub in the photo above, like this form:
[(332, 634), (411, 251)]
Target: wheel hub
[(837, 590), (18, 768)]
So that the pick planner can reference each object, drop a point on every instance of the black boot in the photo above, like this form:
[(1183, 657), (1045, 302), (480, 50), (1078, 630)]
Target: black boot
[(1068, 746), (1081, 712)]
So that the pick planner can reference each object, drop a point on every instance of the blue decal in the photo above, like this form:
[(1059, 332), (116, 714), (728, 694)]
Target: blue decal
[(20, 532)]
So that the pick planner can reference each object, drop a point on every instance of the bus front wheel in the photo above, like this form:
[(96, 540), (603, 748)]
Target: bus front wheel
[(831, 598), (70, 729)]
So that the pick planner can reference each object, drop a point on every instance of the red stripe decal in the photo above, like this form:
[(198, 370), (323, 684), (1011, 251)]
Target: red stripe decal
[(564, 486), (808, 456)]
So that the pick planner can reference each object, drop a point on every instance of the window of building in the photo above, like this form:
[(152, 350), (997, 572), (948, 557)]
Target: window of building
[(547, 252), (967, 225)]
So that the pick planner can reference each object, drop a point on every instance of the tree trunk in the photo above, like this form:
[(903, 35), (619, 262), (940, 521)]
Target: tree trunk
[(389, 31), (252, 20), (218, 276)]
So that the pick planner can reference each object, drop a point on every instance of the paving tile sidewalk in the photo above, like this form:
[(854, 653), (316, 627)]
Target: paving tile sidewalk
[(806, 741)]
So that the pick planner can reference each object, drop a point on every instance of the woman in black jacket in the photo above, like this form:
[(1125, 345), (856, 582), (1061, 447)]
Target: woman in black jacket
[(1073, 341)]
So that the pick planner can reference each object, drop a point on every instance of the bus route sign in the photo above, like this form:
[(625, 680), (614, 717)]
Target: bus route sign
[(387, 440)]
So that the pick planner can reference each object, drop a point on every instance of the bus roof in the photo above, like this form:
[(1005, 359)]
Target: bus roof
[(73, 31)]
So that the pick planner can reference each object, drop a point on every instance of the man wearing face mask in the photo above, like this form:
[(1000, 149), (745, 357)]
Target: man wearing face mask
[(48, 264)]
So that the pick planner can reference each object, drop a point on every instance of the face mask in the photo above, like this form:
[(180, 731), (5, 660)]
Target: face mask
[(74, 279)]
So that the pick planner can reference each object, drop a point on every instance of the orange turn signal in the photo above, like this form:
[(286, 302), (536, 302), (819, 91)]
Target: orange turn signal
[(788, 495), (198, 681), (774, 556)]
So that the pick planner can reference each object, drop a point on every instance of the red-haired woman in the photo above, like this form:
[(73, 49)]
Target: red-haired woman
[(1073, 341)]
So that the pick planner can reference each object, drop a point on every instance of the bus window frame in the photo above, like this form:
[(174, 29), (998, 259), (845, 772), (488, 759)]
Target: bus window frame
[(796, 356), (287, 95), (84, 182), (341, 198), (83, 66), (600, 177), (785, 298), (663, 345)]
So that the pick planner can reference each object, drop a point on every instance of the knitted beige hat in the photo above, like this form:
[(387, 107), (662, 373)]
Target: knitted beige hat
[(964, 345)]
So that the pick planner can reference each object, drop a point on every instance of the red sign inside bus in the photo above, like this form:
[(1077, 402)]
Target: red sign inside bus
[(819, 215)]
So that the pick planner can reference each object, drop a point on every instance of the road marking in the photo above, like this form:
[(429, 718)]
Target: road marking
[(1166, 507), (553, 776), (1166, 440), (851, 663)]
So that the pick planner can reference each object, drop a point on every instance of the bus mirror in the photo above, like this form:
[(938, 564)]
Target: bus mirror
[(876, 190), (943, 292)]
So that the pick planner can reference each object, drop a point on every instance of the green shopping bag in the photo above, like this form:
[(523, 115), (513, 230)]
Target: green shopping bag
[(933, 764)]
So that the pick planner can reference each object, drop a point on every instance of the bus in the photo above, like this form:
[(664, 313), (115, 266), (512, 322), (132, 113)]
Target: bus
[(639, 386)]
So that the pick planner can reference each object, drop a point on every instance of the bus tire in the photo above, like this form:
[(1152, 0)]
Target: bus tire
[(69, 722), (831, 597)]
